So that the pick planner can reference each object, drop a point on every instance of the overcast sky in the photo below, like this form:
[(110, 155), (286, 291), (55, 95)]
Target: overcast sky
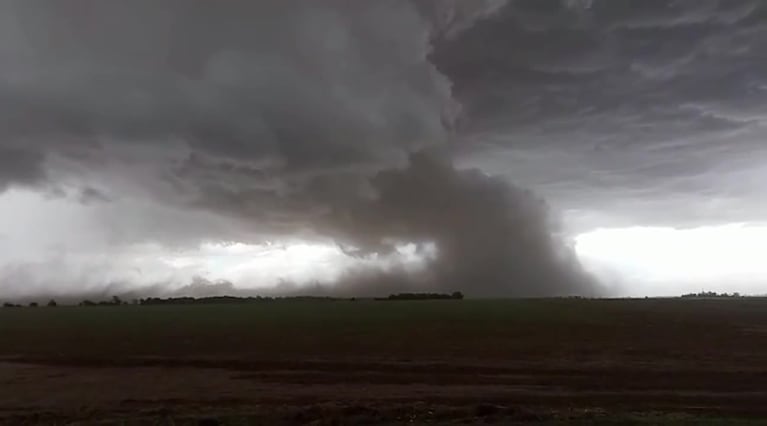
[(501, 148)]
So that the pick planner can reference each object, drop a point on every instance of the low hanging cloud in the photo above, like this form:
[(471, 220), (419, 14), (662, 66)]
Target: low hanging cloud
[(179, 122)]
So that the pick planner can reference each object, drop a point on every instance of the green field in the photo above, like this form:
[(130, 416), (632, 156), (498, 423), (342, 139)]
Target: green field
[(605, 330), (551, 358)]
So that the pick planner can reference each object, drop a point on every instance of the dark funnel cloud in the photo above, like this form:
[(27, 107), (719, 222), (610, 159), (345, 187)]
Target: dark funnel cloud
[(492, 237), (285, 119)]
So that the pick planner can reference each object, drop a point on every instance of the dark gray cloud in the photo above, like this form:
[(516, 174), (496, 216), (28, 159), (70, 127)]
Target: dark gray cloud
[(630, 111), (220, 97), (20, 166)]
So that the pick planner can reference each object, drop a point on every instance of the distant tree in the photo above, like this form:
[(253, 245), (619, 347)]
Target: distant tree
[(33, 305), (710, 294), (423, 296), (116, 300), (8, 305), (52, 303)]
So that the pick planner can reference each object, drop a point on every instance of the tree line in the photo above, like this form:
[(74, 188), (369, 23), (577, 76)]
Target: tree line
[(51, 304), (423, 296), (224, 300), (709, 294)]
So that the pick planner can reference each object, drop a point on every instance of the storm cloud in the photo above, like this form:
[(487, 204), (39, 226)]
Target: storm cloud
[(622, 112), (290, 118), (374, 125)]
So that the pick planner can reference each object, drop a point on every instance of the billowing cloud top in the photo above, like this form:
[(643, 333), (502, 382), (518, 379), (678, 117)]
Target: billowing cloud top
[(176, 122)]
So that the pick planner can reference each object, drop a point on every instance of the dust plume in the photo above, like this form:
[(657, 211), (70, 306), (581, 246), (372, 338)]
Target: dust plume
[(492, 238)]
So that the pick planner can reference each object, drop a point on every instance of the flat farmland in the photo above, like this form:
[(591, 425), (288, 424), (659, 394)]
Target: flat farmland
[(540, 361)]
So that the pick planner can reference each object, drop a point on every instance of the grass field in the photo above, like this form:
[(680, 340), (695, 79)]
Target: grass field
[(552, 361)]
